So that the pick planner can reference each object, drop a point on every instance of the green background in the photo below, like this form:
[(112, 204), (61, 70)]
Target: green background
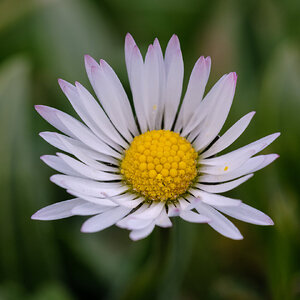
[(42, 40)]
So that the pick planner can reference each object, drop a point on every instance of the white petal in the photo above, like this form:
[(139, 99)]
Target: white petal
[(226, 163), (219, 222), (229, 136), (253, 164), (174, 79), (137, 84), (109, 95), (58, 210), (121, 97), (268, 159), (213, 199), (183, 203), (87, 115), (85, 135), (58, 164), (163, 220), (195, 91), (205, 107), (84, 156), (50, 115), (56, 140), (133, 223), (141, 233), (88, 187), (152, 87), (152, 211), (104, 220), (218, 114), (223, 187), (88, 208), (87, 171), (256, 146), (98, 115), (129, 45), (247, 214), (96, 200), (127, 200), (161, 81), (173, 211), (193, 217)]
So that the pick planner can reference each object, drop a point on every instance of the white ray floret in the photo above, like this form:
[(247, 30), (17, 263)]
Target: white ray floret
[(95, 148)]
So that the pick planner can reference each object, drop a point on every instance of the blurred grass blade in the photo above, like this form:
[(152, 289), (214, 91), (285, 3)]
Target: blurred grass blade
[(20, 249)]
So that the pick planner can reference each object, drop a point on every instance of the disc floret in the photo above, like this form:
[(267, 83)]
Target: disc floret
[(160, 165)]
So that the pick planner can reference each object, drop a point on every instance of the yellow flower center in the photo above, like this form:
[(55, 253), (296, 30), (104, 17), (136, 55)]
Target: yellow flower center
[(160, 165)]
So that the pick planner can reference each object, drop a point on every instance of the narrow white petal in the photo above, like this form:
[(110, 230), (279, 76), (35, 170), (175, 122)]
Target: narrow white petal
[(50, 115), (88, 187), (174, 79), (183, 203), (98, 115), (104, 220), (58, 164), (121, 97), (218, 114), (137, 84), (92, 199), (87, 115), (152, 87), (173, 211), (88, 208), (253, 164), (58, 210), (109, 95), (226, 163), (223, 187), (124, 223), (205, 107), (163, 220), (247, 214), (195, 91), (213, 199), (161, 80), (152, 211), (84, 156), (88, 171), (85, 135), (57, 140), (268, 159), (193, 217), (129, 45), (141, 233), (127, 200), (229, 136), (134, 223), (219, 222)]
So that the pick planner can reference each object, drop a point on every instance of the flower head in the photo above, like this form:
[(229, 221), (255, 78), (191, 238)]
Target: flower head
[(138, 166)]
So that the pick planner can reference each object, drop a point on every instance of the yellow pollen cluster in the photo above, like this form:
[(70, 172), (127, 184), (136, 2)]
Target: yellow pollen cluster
[(160, 165)]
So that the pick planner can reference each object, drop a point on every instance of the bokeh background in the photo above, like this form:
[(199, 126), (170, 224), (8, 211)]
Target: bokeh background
[(42, 40)]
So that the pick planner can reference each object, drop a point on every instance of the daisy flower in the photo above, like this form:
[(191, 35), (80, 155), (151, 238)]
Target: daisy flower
[(137, 164)]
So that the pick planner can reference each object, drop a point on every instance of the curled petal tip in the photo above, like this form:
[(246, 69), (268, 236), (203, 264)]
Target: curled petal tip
[(34, 216), (89, 60), (129, 40), (39, 108), (174, 36)]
